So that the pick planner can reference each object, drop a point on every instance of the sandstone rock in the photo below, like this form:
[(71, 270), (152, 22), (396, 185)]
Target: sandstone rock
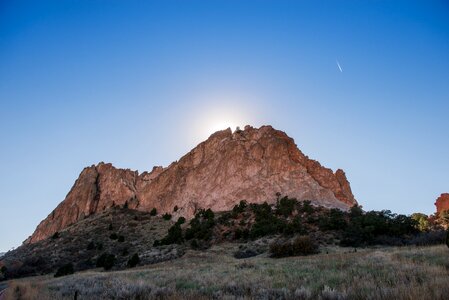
[(442, 203), (251, 164)]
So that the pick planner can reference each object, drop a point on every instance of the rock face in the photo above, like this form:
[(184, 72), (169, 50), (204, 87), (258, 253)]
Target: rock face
[(251, 164), (442, 203)]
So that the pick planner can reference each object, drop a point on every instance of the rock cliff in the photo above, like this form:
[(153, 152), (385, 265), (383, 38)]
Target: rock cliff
[(252, 164), (442, 203)]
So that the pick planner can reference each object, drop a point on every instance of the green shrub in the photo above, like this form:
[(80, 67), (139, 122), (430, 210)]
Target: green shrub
[(302, 245), (134, 261), (239, 208), (285, 206), (125, 252), (174, 236), (334, 219), (175, 209), (110, 227), (113, 236), (153, 212), (106, 261), (181, 220), (201, 225), (166, 216), (121, 239), (66, 269), (55, 235), (91, 246)]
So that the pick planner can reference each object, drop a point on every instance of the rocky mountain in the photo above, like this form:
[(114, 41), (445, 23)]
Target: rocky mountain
[(252, 164), (442, 203)]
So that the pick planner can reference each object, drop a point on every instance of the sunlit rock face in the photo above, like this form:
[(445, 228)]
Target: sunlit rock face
[(251, 164), (442, 203)]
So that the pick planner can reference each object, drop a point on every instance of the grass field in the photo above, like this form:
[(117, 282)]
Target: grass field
[(336, 273)]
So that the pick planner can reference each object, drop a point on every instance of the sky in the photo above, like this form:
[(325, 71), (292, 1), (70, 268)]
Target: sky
[(140, 83)]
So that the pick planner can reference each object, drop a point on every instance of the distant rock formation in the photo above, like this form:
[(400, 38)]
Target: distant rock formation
[(442, 203), (251, 164)]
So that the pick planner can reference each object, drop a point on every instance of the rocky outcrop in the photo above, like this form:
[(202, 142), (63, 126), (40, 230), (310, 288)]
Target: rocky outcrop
[(442, 203), (252, 164)]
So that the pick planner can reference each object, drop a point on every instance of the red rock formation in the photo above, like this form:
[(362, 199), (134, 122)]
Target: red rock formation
[(442, 203), (253, 164)]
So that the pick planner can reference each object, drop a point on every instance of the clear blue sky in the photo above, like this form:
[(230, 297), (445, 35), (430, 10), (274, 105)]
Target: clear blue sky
[(140, 83)]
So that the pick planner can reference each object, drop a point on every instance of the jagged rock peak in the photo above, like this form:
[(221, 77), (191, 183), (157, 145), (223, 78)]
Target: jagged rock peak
[(442, 203), (252, 164)]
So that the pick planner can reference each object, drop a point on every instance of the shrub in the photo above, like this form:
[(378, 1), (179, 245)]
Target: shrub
[(121, 239), (134, 261), (4, 273), (153, 212), (106, 261), (91, 246), (239, 208), (245, 253), (285, 206), (181, 220), (201, 225), (66, 269), (125, 252), (194, 244), (305, 207), (302, 245), (100, 246), (55, 235), (113, 236), (434, 237), (174, 236), (334, 219), (110, 227), (422, 221), (175, 209), (241, 234), (447, 238), (166, 216)]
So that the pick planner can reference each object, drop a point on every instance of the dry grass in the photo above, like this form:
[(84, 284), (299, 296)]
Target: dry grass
[(383, 273)]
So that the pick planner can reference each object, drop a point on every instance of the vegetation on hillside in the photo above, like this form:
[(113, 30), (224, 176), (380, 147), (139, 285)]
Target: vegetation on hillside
[(372, 273)]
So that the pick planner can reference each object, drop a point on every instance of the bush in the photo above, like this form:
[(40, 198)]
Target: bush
[(65, 270), (106, 261), (245, 253), (174, 236), (447, 238), (302, 245), (110, 227), (436, 237), (153, 212), (4, 273), (239, 208), (285, 206), (113, 236), (121, 239), (55, 235), (201, 225), (134, 261), (125, 252), (334, 219), (166, 216), (181, 220), (91, 246), (175, 209)]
